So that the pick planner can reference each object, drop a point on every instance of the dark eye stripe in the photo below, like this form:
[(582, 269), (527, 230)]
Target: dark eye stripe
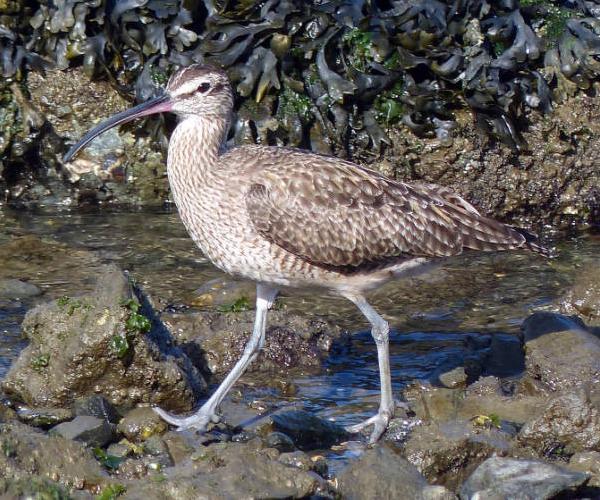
[(204, 87)]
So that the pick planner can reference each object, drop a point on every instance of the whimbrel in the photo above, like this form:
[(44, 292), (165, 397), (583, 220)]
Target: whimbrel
[(288, 217)]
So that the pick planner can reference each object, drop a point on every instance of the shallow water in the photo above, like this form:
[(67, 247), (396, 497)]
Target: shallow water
[(438, 322)]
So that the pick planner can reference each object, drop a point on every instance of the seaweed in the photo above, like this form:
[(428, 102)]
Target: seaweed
[(345, 59)]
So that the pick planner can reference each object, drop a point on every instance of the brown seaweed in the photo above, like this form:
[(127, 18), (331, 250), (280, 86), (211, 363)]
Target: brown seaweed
[(348, 69)]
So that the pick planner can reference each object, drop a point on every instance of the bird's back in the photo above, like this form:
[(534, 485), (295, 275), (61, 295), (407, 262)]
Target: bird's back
[(337, 214)]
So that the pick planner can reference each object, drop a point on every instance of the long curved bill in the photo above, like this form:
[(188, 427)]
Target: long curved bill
[(158, 104)]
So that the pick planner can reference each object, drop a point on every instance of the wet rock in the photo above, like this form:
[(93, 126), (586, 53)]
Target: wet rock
[(239, 414), (92, 431), (498, 478), (32, 487), (222, 293), (568, 424), (7, 414), (101, 343), (587, 462), (141, 423), (308, 431), (216, 340), (157, 453), (560, 351), (155, 445), (96, 406), (133, 468), (382, 473), (230, 470), (448, 452), (527, 185), (400, 428), (583, 298), (454, 378), (119, 167), (484, 397), (44, 417), (30, 452), (119, 450), (180, 448), (17, 289), (280, 442), (302, 461)]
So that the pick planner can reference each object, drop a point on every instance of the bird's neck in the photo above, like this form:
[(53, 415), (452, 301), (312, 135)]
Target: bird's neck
[(195, 147)]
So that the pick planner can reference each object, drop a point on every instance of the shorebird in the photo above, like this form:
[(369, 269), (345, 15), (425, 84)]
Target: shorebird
[(288, 217)]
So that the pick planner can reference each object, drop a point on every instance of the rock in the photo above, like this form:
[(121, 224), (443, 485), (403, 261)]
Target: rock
[(454, 378), (155, 445), (308, 431), (95, 344), (96, 405), (72, 104), (92, 431), (303, 461), (141, 423), (500, 478), (569, 423), (17, 289), (541, 184), (215, 340), (280, 442), (223, 292), (560, 351), (383, 474), (119, 450), (27, 451), (447, 453), (583, 298), (44, 417), (133, 468), (229, 470), (484, 397), (157, 452), (32, 487), (179, 447), (588, 462), (238, 414), (7, 414)]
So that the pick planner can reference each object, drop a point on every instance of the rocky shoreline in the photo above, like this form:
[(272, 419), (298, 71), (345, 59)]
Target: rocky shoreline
[(553, 182), (76, 422), (496, 100)]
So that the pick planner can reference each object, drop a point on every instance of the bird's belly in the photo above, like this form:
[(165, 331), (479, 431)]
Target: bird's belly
[(232, 244)]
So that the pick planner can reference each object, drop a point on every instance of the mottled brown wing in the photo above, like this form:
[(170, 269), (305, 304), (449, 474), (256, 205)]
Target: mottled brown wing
[(331, 212)]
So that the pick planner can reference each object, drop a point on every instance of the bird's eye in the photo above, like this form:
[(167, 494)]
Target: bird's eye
[(203, 87)]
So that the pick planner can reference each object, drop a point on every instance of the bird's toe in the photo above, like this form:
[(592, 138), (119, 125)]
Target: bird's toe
[(197, 421), (379, 422)]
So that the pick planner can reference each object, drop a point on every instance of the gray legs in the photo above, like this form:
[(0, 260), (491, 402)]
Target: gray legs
[(207, 413), (380, 332), (264, 298)]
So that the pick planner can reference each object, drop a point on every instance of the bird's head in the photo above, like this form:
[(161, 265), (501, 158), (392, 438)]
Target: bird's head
[(196, 90)]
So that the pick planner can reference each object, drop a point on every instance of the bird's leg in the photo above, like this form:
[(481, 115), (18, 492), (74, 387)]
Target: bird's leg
[(380, 332), (207, 413)]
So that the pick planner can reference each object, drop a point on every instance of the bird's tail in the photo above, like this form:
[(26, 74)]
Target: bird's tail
[(477, 231), (532, 243)]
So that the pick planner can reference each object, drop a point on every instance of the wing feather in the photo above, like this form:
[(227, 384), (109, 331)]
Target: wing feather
[(334, 213)]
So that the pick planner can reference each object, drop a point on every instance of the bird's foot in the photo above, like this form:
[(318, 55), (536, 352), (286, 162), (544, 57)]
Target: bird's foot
[(380, 421), (197, 421)]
